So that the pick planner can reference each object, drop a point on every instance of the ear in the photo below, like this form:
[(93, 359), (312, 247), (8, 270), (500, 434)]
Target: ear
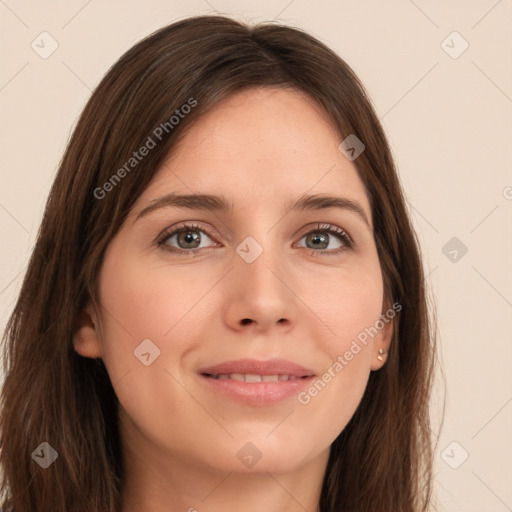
[(382, 341), (86, 338)]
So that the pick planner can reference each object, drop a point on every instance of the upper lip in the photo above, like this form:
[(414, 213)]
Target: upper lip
[(274, 366)]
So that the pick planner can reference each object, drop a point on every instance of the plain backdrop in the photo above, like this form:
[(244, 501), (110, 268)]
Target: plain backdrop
[(440, 76)]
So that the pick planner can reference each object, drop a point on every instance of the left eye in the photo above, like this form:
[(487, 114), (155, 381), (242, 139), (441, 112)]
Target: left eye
[(322, 236)]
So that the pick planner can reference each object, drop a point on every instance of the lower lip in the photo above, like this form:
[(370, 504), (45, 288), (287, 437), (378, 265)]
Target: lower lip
[(258, 393)]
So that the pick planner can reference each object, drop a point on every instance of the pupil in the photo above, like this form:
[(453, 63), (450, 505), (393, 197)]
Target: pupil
[(316, 239), (189, 237)]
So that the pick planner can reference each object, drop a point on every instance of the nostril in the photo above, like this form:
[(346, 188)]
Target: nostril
[(246, 321)]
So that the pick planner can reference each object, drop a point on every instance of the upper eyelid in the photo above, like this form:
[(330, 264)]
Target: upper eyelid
[(326, 226)]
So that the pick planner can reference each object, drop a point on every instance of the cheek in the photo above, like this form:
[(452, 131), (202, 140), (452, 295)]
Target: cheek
[(160, 304), (142, 302), (346, 303), (354, 313), (348, 309), (147, 304)]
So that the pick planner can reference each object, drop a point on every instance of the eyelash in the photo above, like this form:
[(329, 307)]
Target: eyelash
[(324, 228)]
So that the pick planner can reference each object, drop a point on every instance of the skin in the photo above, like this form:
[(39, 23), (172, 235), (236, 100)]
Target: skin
[(260, 148)]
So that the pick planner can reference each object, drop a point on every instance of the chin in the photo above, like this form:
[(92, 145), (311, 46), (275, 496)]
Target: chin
[(259, 456)]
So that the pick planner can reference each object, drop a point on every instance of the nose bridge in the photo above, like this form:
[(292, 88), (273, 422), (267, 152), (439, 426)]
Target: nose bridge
[(259, 292), (258, 259)]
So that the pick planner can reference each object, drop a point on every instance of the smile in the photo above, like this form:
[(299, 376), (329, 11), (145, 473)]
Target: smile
[(255, 390)]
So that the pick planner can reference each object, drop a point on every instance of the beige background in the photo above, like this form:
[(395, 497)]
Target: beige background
[(449, 123)]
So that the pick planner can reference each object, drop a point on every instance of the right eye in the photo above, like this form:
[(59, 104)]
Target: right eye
[(188, 238)]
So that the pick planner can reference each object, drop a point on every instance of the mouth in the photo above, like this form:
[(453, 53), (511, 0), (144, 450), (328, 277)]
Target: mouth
[(252, 377), (256, 382), (254, 370)]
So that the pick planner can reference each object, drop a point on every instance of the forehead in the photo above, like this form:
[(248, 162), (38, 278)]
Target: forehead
[(260, 144)]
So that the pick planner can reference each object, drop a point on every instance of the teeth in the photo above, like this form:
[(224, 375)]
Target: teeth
[(250, 377)]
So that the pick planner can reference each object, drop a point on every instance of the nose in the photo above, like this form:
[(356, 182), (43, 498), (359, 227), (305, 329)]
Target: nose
[(259, 295)]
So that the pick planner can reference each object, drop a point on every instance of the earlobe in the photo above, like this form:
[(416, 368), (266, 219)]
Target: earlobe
[(382, 344), (85, 335)]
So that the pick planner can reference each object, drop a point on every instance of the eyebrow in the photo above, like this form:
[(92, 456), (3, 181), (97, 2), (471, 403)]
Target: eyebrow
[(209, 202)]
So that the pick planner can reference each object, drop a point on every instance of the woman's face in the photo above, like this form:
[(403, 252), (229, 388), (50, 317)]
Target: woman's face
[(256, 280)]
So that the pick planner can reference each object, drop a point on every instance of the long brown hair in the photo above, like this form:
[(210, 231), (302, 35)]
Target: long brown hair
[(382, 460)]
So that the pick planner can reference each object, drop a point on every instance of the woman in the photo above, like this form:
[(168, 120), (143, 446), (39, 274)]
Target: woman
[(225, 305)]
